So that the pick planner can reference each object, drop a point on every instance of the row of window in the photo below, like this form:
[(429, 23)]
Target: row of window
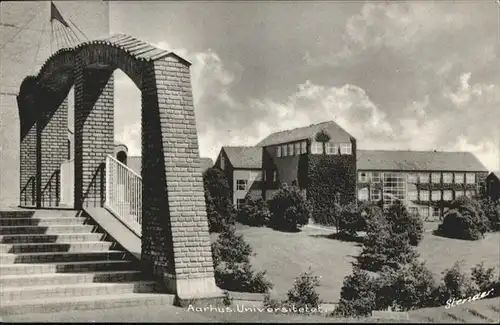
[(317, 148), (436, 178), (446, 195), (426, 211)]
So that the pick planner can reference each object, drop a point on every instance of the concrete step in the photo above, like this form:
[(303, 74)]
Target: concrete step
[(84, 246), (18, 230), (51, 238), (76, 290), (38, 213), (52, 257), (55, 305), (68, 278), (16, 214), (42, 221), (66, 267)]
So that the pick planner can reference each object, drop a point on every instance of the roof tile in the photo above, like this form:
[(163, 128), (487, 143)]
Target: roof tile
[(244, 157)]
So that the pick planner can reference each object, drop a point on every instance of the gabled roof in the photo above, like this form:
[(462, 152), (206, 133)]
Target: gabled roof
[(496, 173), (418, 161), (333, 129), (244, 157)]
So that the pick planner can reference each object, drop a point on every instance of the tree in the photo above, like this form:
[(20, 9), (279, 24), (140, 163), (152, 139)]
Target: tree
[(491, 209), (401, 222), (357, 296), (350, 220), (289, 208), (303, 293), (220, 211)]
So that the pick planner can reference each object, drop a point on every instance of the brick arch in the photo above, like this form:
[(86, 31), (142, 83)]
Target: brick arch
[(175, 240)]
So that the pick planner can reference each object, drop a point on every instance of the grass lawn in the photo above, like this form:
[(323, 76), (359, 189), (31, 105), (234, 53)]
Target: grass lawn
[(285, 255)]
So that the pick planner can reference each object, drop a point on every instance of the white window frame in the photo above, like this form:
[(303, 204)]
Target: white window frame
[(425, 197), (376, 177), (303, 147), (316, 148), (424, 211), (238, 203), (470, 193), (447, 195), (436, 178), (222, 161), (278, 151), (447, 178), (297, 150), (413, 210), (412, 178), (244, 182), (459, 193), (376, 195), (459, 178), (291, 152), (468, 178), (332, 148), (421, 176), (284, 150), (412, 196), (346, 148), (436, 195), (363, 194)]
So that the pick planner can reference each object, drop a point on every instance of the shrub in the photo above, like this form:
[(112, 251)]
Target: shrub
[(303, 293), (491, 209), (455, 284), (483, 277), (357, 296), (271, 302), (464, 220), (350, 220), (289, 208), (401, 222), (254, 213), (227, 300), (231, 256), (220, 211), (410, 287), (328, 217), (382, 248)]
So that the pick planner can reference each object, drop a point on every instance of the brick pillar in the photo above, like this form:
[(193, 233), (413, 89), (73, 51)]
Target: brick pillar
[(175, 238), (52, 134), (27, 160), (94, 134)]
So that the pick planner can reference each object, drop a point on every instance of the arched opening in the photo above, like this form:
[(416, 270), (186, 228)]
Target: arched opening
[(121, 156)]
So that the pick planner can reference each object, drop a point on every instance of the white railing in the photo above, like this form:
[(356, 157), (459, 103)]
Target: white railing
[(124, 194)]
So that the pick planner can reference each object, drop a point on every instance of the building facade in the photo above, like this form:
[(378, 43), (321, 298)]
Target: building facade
[(425, 181), (493, 185)]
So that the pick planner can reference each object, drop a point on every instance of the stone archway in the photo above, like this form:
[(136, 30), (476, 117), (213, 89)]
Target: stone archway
[(175, 239)]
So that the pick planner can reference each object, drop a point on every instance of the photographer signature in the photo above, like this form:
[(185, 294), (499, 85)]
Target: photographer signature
[(455, 302)]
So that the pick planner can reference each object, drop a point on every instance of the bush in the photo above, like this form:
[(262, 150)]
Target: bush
[(491, 209), (289, 208), (410, 287), (303, 293), (220, 211), (357, 296), (231, 256), (464, 220), (483, 277), (455, 284), (351, 220), (401, 222), (328, 218), (254, 213)]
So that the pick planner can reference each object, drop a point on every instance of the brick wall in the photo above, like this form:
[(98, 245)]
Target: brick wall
[(94, 133), (53, 151), (28, 160)]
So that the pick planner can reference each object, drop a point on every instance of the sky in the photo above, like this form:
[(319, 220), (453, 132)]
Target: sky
[(418, 75)]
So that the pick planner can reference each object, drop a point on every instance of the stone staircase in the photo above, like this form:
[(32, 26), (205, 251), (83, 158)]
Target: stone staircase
[(57, 260)]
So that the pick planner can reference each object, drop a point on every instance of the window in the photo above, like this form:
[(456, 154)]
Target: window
[(423, 178), (284, 151), (275, 176), (363, 177), (436, 178), (459, 178), (346, 149), (376, 177), (413, 210), (363, 194), (459, 193), (469, 193), (436, 195), (413, 196), (332, 148), (290, 149), (376, 195), (470, 178), (447, 195), (424, 211), (424, 196), (394, 188), (241, 184), (316, 148), (303, 147), (412, 178), (222, 161), (278, 151), (240, 203), (436, 212), (297, 148), (447, 178)]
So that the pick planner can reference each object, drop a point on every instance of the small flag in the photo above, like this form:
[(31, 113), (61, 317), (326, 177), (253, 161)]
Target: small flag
[(55, 14)]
